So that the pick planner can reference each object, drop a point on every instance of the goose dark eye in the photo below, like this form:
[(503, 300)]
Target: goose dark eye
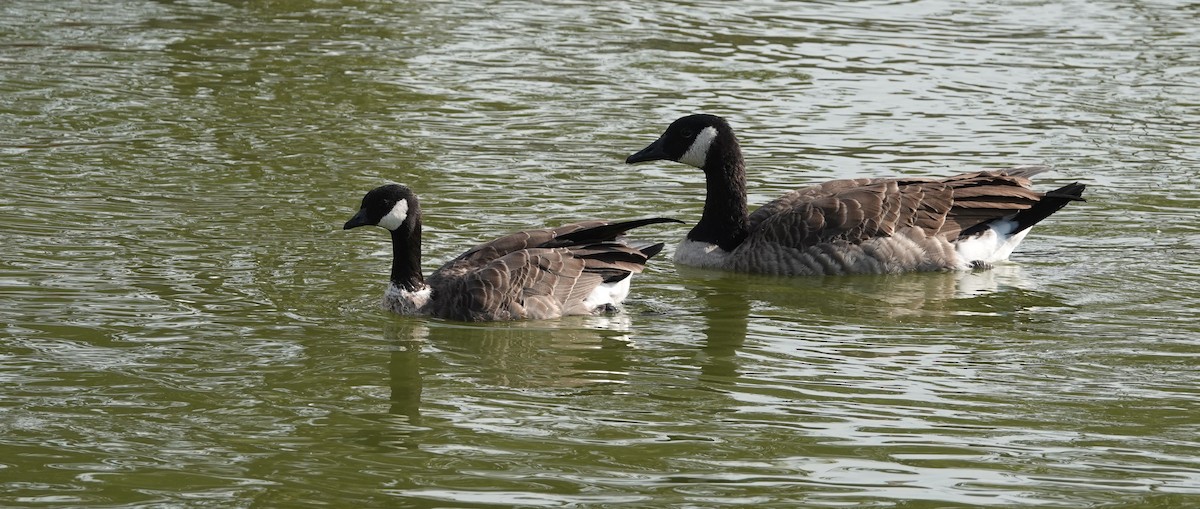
[(686, 132)]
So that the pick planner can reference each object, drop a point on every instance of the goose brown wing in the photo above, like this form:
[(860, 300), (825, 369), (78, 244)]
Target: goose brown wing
[(798, 198), (536, 274), (517, 241), (982, 197), (855, 210), (852, 211), (575, 234), (531, 283), (534, 283)]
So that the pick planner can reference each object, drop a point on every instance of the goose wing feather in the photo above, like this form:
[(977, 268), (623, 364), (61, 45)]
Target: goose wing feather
[(851, 210), (855, 210), (527, 239), (537, 274), (979, 198), (573, 234), (531, 283)]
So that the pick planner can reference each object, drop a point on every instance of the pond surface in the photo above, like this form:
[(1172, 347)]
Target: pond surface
[(186, 325)]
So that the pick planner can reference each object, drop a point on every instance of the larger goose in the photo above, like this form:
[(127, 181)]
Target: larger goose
[(576, 269), (866, 225)]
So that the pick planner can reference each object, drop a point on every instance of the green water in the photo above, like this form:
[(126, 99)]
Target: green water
[(185, 324)]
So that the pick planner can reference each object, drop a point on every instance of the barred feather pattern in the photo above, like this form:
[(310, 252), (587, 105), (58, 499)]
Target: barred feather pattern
[(518, 277), (873, 226)]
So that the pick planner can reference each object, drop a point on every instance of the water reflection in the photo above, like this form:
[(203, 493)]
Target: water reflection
[(181, 332), (543, 355), (851, 305), (404, 369), (726, 321), (930, 296)]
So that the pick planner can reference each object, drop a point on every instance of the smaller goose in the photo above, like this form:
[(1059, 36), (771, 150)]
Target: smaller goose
[(866, 225), (576, 269)]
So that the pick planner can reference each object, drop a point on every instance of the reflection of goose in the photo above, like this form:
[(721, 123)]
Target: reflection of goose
[(853, 301), (407, 340), (726, 318), (404, 367), (982, 282), (577, 269), (869, 225), (405, 371), (573, 352)]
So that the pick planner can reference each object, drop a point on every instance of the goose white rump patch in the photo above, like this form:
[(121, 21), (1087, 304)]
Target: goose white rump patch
[(993, 245), (608, 293)]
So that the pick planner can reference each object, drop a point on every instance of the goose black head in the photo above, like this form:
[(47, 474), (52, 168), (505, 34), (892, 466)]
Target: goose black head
[(391, 206), (687, 140)]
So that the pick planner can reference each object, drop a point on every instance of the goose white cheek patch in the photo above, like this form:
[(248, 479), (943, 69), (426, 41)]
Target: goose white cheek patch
[(698, 152), (396, 216)]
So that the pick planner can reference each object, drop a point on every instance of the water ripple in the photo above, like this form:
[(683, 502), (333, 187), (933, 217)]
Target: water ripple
[(185, 323)]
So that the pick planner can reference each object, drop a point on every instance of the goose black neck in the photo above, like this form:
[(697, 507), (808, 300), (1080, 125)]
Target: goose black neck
[(725, 221), (406, 258)]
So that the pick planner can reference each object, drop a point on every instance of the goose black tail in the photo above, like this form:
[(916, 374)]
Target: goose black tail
[(607, 232), (1050, 203), (651, 250)]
